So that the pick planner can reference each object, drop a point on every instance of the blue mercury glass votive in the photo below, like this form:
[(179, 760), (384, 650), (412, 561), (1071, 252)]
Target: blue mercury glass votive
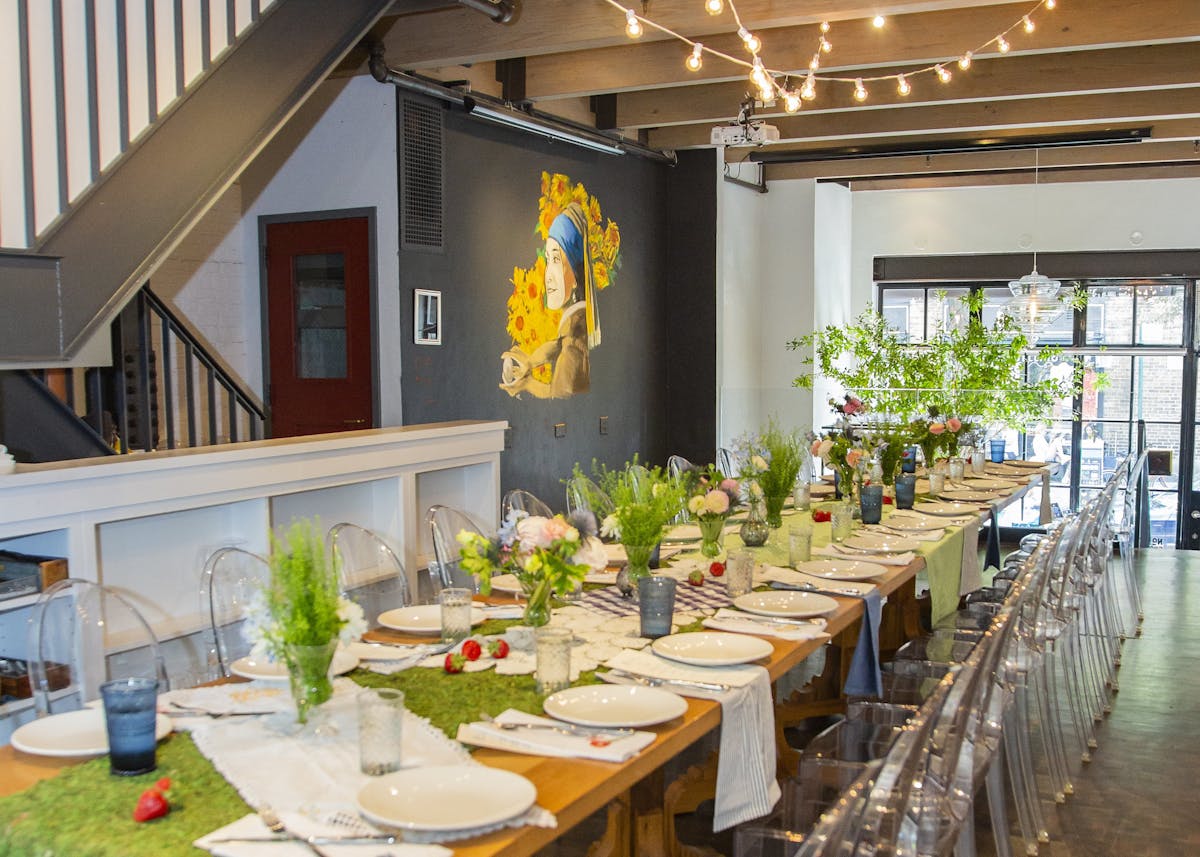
[(872, 503), (130, 716), (908, 460), (906, 490), (656, 602), (997, 450)]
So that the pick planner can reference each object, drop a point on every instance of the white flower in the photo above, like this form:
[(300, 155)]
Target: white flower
[(591, 554), (758, 463), (755, 491), (696, 504), (610, 528), (534, 533), (354, 623)]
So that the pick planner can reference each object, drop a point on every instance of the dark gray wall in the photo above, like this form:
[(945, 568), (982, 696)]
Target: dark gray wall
[(492, 184)]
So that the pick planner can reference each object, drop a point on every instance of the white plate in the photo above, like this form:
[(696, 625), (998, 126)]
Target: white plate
[(446, 797), (841, 569), (881, 543), (903, 519), (712, 648), (421, 619), (786, 602), (74, 733), (506, 583), (1028, 463), (968, 495), (991, 484), (818, 489), (947, 510), (618, 705), (267, 670)]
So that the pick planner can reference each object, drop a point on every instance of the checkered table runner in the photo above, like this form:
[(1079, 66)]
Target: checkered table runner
[(687, 597)]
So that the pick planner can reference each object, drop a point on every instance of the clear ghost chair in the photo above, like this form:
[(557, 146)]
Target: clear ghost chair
[(369, 572), (583, 493), (82, 634), (521, 500), (1135, 474), (677, 465), (445, 523), (727, 462), (232, 578)]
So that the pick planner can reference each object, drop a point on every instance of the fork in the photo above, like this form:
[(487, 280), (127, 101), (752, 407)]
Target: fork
[(563, 728), (275, 824), (652, 681)]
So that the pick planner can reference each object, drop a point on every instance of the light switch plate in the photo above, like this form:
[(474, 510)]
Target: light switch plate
[(604, 425), (560, 429)]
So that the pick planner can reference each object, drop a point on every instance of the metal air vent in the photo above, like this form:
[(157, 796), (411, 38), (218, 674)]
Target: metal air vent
[(420, 175)]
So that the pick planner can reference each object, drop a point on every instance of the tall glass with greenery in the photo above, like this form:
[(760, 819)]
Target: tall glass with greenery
[(645, 500), (773, 459)]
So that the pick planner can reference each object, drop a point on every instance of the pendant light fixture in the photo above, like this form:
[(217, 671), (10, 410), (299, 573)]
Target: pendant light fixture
[(1034, 304)]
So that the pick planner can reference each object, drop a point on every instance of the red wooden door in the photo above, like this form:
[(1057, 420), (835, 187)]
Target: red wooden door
[(319, 326)]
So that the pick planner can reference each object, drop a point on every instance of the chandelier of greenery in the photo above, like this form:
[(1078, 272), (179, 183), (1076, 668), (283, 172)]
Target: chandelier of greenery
[(965, 368)]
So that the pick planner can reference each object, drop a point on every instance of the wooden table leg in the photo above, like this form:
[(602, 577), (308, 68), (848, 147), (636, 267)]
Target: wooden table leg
[(649, 826), (616, 841)]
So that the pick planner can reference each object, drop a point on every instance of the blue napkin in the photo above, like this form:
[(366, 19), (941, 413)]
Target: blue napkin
[(864, 678), (992, 557)]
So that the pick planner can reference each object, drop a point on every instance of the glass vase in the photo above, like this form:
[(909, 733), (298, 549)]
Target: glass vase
[(754, 529), (775, 510), (537, 603), (308, 675), (637, 566), (712, 536)]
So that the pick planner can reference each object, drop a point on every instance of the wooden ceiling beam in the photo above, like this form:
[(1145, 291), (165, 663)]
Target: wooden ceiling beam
[(1038, 115), (1070, 73), (458, 36), (913, 38), (1123, 172)]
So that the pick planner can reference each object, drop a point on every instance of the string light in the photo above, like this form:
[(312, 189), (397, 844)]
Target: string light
[(695, 60), (633, 27), (964, 62), (902, 85), (943, 73), (749, 40), (815, 62), (860, 91), (809, 91), (1028, 23), (826, 45), (1050, 4), (878, 21), (1002, 44), (824, 26), (791, 101), (714, 7)]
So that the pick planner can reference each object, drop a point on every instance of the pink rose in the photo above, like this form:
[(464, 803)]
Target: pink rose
[(853, 457), (954, 424), (731, 487), (936, 428), (557, 528), (853, 406)]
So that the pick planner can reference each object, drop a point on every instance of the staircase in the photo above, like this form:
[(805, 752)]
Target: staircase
[(121, 122)]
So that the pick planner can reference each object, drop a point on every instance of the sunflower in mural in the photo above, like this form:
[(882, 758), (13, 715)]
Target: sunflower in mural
[(552, 312)]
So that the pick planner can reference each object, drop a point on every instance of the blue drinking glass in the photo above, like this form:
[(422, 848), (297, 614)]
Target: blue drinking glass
[(130, 717), (656, 602), (908, 460), (906, 490), (872, 503), (997, 450)]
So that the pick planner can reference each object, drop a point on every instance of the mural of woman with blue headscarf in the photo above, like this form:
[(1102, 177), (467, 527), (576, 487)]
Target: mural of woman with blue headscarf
[(570, 287)]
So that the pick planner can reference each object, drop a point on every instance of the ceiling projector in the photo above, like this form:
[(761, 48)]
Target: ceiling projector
[(741, 134)]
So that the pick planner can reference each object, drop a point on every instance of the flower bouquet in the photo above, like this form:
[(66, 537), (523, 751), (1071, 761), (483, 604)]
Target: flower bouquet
[(645, 500), (773, 460), (710, 506), (549, 556), (844, 456), (300, 617)]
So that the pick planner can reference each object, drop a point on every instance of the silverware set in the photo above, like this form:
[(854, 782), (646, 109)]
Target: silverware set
[(652, 681), (562, 728)]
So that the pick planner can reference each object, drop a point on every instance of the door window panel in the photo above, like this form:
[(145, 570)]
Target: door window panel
[(904, 310), (320, 301), (944, 310), (1160, 315), (1109, 316), (1157, 387)]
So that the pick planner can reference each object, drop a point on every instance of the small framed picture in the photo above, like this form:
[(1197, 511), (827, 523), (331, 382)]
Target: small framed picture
[(427, 317)]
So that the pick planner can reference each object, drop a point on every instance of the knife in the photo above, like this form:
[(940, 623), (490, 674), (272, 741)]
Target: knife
[(653, 681), (378, 839)]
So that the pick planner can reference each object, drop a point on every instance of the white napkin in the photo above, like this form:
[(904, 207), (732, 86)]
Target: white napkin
[(898, 559), (791, 577), (737, 622), (504, 611), (746, 786), (546, 742), (251, 826), (237, 698)]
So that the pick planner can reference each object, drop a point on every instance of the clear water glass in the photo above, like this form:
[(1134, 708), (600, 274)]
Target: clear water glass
[(380, 730), (553, 647), (937, 483), (656, 605), (957, 468), (799, 544), (130, 718), (802, 496), (841, 521), (739, 573), (456, 614)]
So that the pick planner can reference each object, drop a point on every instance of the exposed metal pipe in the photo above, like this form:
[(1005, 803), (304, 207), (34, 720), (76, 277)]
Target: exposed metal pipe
[(380, 71), (500, 11)]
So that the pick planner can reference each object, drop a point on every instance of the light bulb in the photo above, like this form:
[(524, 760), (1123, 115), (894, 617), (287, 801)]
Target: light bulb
[(809, 91), (760, 77), (695, 60), (860, 91), (749, 40), (815, 62), (943, 74), (824, 26), (714, 7), (826, 45), (1050, 4), (902, 85), (878, 21), (633, 27), (964, 61), (791, 101), (1028, 22), (1002, 44)]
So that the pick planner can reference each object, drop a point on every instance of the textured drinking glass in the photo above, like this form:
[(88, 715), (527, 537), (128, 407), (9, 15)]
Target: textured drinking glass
[(553, 646), (871, 501), (656, 603), (908, 460), (997, 450), (802, 496), (978, 460), (799, 544), (957, 468), (130, 717), (739, 573), (937, 483), (380, 729), (906, 490), (841, 519), (456, 614)]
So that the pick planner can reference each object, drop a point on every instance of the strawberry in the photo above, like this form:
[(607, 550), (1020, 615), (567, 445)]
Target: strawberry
[(887, 501), (498, 649), (716, 569), (471, 650), (151, 805), (696, 578), (454, 663), (163, 784), (819, 515)]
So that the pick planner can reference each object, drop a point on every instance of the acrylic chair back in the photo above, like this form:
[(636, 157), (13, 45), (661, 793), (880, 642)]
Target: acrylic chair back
[(521, 500), (232, 582), (445, 523), (369, 572), (583, 493), (82, 634)]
